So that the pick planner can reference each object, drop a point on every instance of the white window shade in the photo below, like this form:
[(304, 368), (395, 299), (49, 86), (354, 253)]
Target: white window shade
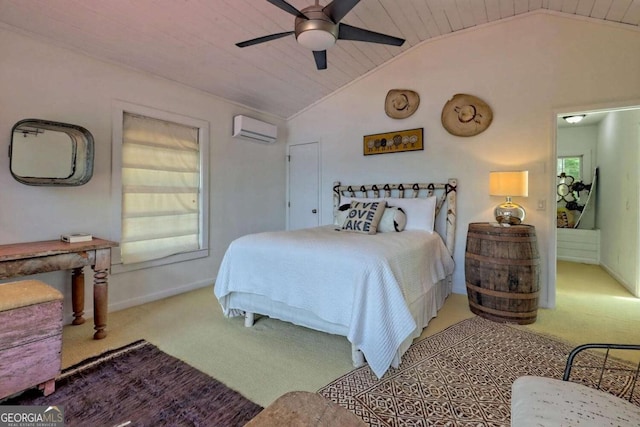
[(160, 189)]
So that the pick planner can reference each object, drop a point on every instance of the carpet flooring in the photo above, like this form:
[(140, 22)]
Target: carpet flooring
[(462, 376), (139, 385)]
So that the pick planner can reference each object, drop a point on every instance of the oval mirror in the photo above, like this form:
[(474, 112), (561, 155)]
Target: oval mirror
[(50, 153)]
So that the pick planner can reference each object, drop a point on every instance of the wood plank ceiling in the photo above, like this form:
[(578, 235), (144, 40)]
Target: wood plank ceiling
[(193, 41)]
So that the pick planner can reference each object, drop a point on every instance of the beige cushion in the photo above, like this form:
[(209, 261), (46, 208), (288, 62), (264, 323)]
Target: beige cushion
[(565, 218), (363, 217), (393, 218), (539, 401), (26, 292)]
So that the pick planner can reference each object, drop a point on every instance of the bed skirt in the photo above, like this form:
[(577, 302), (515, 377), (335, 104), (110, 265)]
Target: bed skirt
[(423, 310)]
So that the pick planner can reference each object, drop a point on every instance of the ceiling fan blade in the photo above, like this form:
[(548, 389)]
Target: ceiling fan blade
[(321, 59), (288, 8), (263, 39), (347, 32), (337, 9)]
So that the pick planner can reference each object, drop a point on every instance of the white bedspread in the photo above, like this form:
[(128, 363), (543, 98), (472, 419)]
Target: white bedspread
[(363, 282)]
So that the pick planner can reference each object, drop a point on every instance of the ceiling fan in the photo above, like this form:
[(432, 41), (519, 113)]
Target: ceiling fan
[(317, 28)]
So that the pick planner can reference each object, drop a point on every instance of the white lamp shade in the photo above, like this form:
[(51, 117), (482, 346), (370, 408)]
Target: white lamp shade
[(316, 39), (509, 184)]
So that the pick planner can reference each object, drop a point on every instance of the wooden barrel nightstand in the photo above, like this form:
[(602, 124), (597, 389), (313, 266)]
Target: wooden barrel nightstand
[(502, 272)]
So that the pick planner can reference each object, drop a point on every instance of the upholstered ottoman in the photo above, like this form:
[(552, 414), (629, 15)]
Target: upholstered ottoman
[(302, 408), (547, 402), (30, 336)]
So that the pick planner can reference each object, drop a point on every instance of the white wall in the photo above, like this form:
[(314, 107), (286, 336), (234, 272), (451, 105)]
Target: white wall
[(525, 68), (618, 203), (39, 80)]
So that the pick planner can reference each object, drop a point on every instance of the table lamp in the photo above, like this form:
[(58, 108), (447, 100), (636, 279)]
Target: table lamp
[(509, 184)]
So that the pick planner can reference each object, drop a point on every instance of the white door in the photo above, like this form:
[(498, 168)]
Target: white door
[(304, 209)]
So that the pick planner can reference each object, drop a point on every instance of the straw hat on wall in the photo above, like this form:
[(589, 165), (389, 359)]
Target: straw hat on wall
[(466, 115), (401, 103)]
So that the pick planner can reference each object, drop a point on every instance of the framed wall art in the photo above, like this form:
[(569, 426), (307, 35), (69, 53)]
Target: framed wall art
[(393, 142)]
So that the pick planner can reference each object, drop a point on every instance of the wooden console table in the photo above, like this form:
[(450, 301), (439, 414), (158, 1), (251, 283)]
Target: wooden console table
[(24, 259)]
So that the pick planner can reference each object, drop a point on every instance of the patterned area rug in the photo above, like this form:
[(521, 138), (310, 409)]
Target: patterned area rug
[(139, 385), (462, 376)]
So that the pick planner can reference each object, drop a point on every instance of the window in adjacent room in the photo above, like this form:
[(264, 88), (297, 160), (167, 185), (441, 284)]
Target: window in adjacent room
[(161, 168), (571, 166)]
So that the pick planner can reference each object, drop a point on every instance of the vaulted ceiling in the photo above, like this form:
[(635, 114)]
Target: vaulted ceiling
[(193, 41)]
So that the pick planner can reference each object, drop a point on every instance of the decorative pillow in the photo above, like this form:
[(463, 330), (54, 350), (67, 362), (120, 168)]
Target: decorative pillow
[(393, 219), (346, 200), (565, 218), (363, 217), (345, 205), (420, 212), (341, 215)]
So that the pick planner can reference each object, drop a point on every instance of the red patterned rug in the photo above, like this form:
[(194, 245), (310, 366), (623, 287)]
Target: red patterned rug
[(462, 376)]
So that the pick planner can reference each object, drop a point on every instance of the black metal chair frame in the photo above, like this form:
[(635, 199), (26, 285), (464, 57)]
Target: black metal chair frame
[(603, 367)]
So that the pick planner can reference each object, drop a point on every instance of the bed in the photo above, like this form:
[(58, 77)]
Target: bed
[(378, 289)]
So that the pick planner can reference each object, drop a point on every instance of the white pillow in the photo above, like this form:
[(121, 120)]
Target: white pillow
[(420, 212), (393, 219)]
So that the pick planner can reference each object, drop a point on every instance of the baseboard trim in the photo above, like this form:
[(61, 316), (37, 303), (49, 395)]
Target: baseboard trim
[(143, 299), (582, 260), (617, 277)]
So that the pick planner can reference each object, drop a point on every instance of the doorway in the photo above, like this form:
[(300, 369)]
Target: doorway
[(607, 139)]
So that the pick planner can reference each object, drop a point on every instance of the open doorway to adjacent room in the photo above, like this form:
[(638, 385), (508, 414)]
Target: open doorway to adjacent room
[(597, 196)]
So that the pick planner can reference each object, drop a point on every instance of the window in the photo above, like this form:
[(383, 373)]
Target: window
[(571, 166), (159, 179)]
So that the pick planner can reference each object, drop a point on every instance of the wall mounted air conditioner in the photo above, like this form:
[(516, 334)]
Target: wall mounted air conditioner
[(254, 130)]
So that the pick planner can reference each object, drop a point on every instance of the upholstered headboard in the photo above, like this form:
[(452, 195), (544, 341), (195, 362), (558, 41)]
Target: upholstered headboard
[(444, 192)]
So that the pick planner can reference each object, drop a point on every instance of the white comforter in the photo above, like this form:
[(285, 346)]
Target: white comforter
[(363, 282)]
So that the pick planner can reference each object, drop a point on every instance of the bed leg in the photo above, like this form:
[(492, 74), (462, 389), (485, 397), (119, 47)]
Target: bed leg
[(248, 319), (357, 357)]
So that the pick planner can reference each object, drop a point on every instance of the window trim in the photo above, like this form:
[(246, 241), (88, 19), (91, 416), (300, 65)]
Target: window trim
[(117, 114), (575, 156)]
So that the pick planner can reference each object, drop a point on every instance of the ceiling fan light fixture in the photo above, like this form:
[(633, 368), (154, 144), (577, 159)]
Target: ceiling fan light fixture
[(317, 28), (575, 118), (317, 33), (316, 39)]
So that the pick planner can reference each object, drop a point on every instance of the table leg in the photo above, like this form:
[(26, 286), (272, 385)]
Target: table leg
[(77, 295), (100, 292)]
